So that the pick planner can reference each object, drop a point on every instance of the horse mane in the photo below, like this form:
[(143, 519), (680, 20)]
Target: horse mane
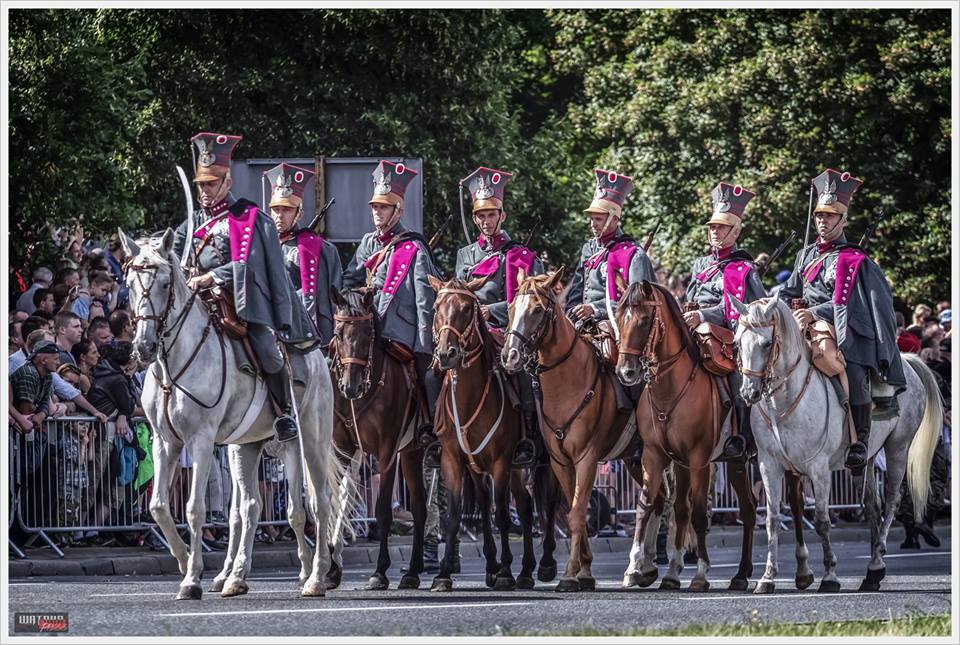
[(634, 298), (792, 334)]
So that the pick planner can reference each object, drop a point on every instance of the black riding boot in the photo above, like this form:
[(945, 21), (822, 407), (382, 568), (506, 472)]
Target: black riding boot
[(910, 540), (285, 426), (857, 455), (925, 529), (431, 454), (525, 454)]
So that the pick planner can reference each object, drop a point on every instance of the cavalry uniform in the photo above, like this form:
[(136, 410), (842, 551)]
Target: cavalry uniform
[(727, 271), (614, 254), (396, 263), (500, 258), (238, 245), (312, 262), (844, 287)]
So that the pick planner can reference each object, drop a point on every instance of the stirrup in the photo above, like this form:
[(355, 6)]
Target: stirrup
[(523, 457), (425, 436), (856, 460), (431, 455), (734, 449), (285, 427)]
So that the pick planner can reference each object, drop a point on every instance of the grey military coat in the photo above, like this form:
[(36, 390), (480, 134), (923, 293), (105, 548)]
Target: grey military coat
[(706, 286), (325, 271)]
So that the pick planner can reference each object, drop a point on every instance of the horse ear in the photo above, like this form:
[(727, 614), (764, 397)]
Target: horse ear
[(166, 242), (739, 306), (336, 297), (367, 298), (647, 289), (521, 275), (621, 283), (477, 283), (435, 283), (555, 278), (129, 246), (770, 306)]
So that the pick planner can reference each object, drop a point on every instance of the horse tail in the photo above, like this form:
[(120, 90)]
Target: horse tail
[(342, 476), (925, 440)]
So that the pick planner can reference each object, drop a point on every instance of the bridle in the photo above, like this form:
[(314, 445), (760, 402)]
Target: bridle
[(770, 381), (366, 363), (530, 346), (470, 354), (650, 363)]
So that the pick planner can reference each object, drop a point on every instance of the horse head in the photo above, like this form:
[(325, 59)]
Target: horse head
[(758, 341), (355, 339), (533, 314), (154, 280), (636, 318), (456, 322)]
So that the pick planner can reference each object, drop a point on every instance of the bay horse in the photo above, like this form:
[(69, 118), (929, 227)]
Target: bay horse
[(680, 419), (195, 396), (579, 419), (479, 428), (800, 427), (375, 407)]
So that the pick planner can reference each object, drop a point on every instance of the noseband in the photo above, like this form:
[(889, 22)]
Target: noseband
[(651, 365), (770, 382), (161, 319), (530, 346), (470, 354)]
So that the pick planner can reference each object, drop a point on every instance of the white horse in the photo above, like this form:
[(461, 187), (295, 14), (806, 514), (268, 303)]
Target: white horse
[(195, 396), (799, 425)]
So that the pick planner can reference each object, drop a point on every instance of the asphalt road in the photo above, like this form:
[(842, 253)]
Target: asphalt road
[(917, 581)]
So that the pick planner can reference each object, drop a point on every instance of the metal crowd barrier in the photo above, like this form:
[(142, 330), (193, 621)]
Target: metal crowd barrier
[(63, 481)]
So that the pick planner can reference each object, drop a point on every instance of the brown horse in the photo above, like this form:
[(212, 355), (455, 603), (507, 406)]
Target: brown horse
[(478, 428), (579, 419), (375, 408), (680, 418)]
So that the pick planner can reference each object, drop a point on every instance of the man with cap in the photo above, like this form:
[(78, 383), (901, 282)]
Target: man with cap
[(312, 262), (838, 283), (395, 262), (594, 293), (236, 247), (726, 271), (32, 382), (499, 258)]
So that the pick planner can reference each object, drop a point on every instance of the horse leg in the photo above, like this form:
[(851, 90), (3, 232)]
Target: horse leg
[(324, 474), (772, 474), (333, 577), (525, 512), (547, 570), (650, 507), (483, 495), (296, 511), (681, 527), (586, 477), (896, 469), (804, 576), (700, 483), (738, 475), (201, 449), (452, 469), (821, 493), (411, 464), (871, 508), (233, 541), (378, 581), (244, 468), (165, 458), (501, 491)]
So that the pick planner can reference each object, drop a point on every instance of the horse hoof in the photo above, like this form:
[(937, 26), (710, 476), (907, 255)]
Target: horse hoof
[(829, 586), (190, 592), (217, 585), (313, 589), (409, 581), (699, 584), (505, 583), (738, 584), (490, 580), (235, 588), (764, 587), (872, 581), (377, 582), (546, 572), (525, 583), (442, 584), (334, 576), (587, 584), (804, 581), (669, 584), (567, 585)]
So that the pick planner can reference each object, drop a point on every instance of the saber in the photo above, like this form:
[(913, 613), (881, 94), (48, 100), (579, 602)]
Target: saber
[(185, 261)]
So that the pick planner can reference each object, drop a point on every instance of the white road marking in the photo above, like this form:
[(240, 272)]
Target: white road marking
[(906, 555), (339, 609), (787, 596)]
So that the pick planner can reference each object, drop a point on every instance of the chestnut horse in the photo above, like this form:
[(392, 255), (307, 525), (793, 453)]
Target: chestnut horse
[(579, 419), (479, 428), (375, 408), (680, 418)]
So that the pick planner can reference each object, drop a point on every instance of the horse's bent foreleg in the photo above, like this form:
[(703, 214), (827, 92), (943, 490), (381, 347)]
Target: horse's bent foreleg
[(165, 464)]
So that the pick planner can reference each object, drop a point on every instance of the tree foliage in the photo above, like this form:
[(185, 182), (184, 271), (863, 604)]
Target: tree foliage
[(102, 103)]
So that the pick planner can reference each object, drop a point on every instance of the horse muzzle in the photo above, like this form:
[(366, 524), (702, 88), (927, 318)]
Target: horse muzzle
[(629, 375), (512, 359), (449, 358), (749, 392)]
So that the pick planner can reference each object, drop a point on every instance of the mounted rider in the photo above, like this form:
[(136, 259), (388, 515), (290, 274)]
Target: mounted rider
[(840, 285), (395, 262), (727, 270), (312, 262), (500, 258), (236, 249), (607, 261)]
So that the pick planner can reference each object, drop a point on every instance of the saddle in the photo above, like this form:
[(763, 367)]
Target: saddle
[(601, 335), (715, 343)]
